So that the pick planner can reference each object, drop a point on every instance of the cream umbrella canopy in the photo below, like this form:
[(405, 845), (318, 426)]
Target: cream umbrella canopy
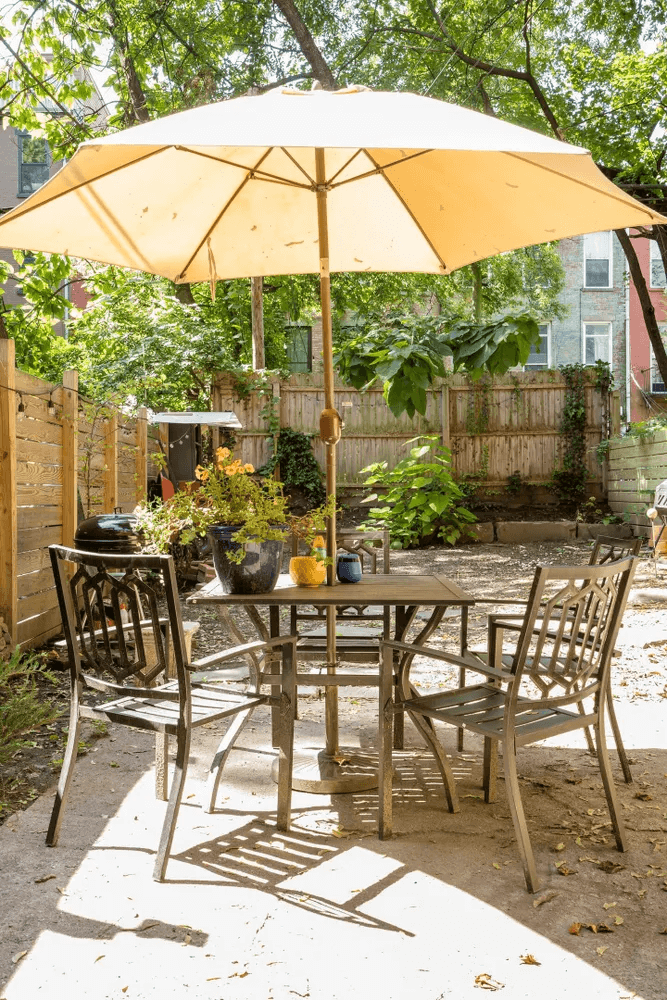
[(295, 182)]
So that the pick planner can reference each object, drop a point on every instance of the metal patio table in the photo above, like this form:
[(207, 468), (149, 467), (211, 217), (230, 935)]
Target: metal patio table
[(336, 769)]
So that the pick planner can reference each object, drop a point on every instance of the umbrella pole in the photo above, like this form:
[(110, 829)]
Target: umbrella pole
[(330, 434)]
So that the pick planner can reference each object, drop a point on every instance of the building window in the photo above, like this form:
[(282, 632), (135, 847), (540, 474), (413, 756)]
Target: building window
[(540, 354), (597, 343), (657, 382), (298, 348), (658, 279), (33, 164), (597, 260)]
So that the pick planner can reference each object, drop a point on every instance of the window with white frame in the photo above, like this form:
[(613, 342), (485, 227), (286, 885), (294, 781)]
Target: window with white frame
[(33, 164), (658, 278), (597, 343), (657, 381), (540, 354), (597, 260)]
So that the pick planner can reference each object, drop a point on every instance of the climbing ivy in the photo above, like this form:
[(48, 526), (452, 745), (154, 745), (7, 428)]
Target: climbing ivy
[(569, 482), (298, 465)]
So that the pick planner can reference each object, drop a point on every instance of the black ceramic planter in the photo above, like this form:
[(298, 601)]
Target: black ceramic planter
[(258, 572)]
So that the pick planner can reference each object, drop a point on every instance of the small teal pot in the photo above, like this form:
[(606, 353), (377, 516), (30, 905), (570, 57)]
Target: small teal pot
[(348, 568), (258, 572)]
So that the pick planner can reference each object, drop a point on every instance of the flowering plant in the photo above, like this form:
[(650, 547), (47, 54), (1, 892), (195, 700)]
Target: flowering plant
[(224, 492), (310, 528)]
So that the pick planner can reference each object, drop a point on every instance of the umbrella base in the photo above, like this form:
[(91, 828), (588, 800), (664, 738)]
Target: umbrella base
[(349, 770)]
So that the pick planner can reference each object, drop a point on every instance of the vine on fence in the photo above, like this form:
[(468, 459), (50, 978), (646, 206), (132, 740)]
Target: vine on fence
[(298, 465), (479, 405), (569, 482)]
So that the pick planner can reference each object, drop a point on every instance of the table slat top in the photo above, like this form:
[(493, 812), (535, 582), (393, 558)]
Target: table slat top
[(392, 589)]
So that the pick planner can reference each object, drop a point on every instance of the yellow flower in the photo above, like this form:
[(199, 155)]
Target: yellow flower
[(222, 453), (248, 467), (201, 473)]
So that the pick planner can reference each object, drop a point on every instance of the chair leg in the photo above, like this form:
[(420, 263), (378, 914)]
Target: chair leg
[(161, 766), (519, 818), (609, 787), (286, 737), (460, 731), (221, 756), (174, 804), (386, 728), (64, 782), (620, 749), (490, 769)]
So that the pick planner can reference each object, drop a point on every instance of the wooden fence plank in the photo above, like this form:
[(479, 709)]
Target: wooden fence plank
[(8, 513), (70, 440)]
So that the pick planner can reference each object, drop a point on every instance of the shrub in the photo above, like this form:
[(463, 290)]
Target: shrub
[(422, 501), (21, 709)]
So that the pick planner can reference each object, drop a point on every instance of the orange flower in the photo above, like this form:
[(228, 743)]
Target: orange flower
[(201, 473), (222, 453), (248, 467)]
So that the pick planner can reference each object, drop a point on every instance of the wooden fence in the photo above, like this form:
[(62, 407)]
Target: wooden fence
[(58, 453), (494, 428), (635, 469)]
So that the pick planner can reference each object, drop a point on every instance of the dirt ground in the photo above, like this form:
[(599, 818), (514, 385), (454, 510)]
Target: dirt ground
[(440, 910)]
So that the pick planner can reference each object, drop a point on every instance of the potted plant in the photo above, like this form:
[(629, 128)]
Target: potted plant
[(310, 570), (245, 519)]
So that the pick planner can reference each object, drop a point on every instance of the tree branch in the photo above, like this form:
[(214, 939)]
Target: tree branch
[(648, 309), (307, 44)]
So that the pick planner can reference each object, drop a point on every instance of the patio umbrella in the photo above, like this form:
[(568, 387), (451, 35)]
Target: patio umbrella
[(293, 182)]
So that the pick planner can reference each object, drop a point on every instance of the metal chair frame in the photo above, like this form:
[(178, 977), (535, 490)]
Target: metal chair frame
[(130, 661), (562, 656), (606, 549)]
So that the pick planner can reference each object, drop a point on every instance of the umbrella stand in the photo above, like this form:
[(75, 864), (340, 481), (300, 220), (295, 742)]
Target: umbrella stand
[(331, 770)]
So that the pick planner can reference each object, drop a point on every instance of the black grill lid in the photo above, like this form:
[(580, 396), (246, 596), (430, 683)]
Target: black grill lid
[(108, 533)]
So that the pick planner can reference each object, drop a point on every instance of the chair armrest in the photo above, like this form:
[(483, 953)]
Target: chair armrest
[(257, 646), (469, 660)]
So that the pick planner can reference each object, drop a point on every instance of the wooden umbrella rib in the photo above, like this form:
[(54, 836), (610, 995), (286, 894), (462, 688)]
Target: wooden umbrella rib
[(296, 163), (419, 226), (25, 209), (230, 201), (345, 166), (263, 174), (378, 169), (591, 187)]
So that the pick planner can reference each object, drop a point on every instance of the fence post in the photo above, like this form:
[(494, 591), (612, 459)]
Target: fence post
[(70, 441), (615, 408), (141, 454), (8, 511), (444, 415), (111, 462), (277, 409)]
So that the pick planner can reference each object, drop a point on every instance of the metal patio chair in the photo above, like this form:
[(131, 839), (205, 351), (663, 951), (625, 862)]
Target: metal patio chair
[(606, 549), (127, 653), (562, 656)]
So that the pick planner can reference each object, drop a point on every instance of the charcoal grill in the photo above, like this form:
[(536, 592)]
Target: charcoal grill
[(108, 533), (658, 516)]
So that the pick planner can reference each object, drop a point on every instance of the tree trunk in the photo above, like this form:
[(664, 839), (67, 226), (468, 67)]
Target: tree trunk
[(137, 105), (257, 311), (648, 310), (307, 44)]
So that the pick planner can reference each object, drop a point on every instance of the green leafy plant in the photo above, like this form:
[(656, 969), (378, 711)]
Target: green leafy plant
[(298, 465), (569, 482), (225, 492), (514, 483), (590, 512), (422, 501), (22, 711)]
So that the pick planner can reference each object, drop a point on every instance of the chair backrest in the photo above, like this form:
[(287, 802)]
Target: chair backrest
[(610, 549), (368, 545), (568, 633), (116, 637)]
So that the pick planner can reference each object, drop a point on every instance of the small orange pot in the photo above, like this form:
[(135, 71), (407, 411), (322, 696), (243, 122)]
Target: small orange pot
[(307, 571)]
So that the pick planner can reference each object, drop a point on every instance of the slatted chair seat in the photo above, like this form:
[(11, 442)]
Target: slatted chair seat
[(133, 663), (535, 692)]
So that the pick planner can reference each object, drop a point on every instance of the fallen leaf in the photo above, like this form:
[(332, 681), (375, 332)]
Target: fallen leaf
[(559, 847), (125, 989), (545, 898), (663, 931), (618, 920), (98, 958), (484, 982), (606, 929), (595, 861), (575, 928), (212, 979), (18, 956), (44, 878), (610, 867), (643, 796), (608, 906), (239, 975), (529, 960), (601, 950), (574, 781), (564, 870), (496, 865)]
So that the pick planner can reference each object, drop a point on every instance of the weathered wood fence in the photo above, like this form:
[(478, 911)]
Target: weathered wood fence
[(57, 451), (635, 468), (494, 428)]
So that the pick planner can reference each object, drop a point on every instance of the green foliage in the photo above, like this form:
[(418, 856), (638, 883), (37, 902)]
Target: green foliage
[(227, 494), (569, 482), (645, 430), (422, 501), (514, 483), (590, 512), (22, 711), (407, 352), (298, 465), (479, 406), (310, 528)]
